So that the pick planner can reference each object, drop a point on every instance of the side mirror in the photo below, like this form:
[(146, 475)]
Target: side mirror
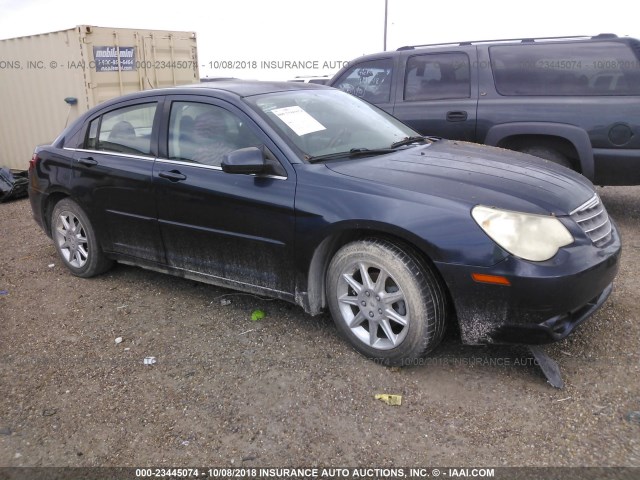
[(244, 161)]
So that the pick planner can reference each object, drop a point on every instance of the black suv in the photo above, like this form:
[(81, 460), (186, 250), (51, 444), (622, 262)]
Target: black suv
[(572, 100)]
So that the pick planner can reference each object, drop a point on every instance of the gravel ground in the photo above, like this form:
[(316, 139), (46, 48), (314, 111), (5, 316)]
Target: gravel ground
[(227, 391)]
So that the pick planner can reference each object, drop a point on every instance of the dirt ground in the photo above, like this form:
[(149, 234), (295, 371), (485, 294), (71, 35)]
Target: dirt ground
[(286, 390)]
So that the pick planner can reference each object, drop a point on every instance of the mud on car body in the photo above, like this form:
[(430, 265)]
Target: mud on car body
[(310, 195)]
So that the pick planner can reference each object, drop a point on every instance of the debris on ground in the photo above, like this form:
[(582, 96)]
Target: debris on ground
[(118, 340), (149, 360), (13, 184), (633, 417), (389, 399), (225, 301), (257, 315), (548, 366), (4, 292), (51, 265)]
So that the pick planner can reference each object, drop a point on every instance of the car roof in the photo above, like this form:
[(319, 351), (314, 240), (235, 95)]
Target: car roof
[(223, 88), (247, 88), (240, 88)]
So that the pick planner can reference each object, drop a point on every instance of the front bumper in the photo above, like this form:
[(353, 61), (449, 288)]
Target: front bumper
[(545, 302), (552, 330)]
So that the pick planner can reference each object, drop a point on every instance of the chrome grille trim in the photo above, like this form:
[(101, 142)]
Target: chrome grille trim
[(593, 219), (593, 201)]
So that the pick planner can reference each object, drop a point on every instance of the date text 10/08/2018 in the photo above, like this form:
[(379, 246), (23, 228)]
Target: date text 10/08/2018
[(276, 64)]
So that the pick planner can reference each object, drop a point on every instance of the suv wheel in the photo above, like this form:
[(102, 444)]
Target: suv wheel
[(389, 305), (75, 240), (548, 154)]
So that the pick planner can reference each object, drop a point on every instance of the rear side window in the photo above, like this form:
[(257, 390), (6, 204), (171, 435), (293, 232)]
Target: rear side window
[(370, 81), (126, 130), (437, 77), (599, 68)]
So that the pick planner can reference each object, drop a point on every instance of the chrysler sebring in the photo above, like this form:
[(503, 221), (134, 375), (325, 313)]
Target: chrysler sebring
[(310, 195)]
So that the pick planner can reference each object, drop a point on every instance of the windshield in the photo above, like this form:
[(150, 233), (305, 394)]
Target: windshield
[(325, 122)]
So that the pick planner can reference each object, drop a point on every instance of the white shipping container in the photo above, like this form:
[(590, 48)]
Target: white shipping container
[(48, 80)]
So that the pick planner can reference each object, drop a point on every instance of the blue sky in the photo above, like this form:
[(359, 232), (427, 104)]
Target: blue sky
[(322, 31)]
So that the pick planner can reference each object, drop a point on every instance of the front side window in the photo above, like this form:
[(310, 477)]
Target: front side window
[(203, 133), (126, 130), (594, 68), (437, 77), (370, 81)]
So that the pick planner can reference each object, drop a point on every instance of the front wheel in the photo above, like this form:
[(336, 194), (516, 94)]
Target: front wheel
[(385, 301), (75, 240)]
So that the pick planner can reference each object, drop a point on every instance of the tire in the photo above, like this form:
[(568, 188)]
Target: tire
[(397, 331), (548, 154), (75, 240)]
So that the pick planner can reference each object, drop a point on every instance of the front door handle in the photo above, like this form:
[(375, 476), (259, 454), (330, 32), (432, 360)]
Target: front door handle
[(459, 116), (87, 161), (172, 175)]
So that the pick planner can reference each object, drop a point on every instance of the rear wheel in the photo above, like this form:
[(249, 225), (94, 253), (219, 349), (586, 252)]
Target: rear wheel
[(548, 154), (387, 303), (75, 240)]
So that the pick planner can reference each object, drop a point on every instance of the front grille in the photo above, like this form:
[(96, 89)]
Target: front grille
[(594, 220)]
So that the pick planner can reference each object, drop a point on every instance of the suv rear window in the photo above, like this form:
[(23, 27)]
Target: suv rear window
[(604, 68)]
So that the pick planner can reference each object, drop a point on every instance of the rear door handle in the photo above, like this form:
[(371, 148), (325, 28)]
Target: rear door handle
[(460, 116), (88, 161), (172, 175)]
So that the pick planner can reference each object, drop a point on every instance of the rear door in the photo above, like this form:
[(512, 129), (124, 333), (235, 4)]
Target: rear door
[(112, 177), (239, 228), (437, 93)]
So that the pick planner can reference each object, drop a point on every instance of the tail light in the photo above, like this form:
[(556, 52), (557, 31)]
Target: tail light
[(33, 162)]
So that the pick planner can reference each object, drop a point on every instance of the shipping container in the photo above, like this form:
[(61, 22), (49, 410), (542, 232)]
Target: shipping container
[(48, 80)]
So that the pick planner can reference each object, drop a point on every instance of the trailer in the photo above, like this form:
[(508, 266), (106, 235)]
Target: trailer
[(48, 80)]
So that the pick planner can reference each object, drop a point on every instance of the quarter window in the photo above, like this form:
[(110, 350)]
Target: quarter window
[(126, 130), (370, 81), (437, 77), (597, 68)]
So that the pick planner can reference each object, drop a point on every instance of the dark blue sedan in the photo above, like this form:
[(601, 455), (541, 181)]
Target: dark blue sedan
[(310, 195)]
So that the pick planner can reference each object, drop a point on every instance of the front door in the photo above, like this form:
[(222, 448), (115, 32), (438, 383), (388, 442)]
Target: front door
[(239, 228), (437, 96)]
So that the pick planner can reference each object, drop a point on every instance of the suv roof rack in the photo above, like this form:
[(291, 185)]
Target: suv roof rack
[(507, 40)]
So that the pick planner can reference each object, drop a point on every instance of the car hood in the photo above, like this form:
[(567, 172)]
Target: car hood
[(476, 174)]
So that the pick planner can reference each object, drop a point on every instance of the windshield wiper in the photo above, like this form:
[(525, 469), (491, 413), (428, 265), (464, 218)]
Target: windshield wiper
[(410, 140), (354, 152)]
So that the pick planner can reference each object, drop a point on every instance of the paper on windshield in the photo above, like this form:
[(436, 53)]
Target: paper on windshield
[(298, 120)]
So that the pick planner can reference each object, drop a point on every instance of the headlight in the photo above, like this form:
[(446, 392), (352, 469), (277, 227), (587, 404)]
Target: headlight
[(528, 236)]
